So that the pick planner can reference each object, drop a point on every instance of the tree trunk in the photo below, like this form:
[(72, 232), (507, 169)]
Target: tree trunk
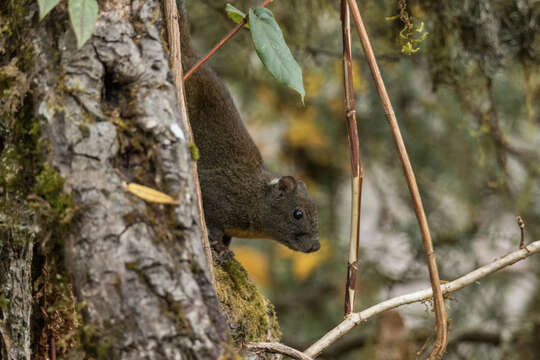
[(88, 269)]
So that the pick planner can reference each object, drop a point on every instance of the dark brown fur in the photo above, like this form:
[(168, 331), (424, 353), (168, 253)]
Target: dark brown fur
[(240, 197)]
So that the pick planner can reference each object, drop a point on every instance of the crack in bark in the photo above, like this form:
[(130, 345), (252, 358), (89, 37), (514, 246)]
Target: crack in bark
[(90, 157)]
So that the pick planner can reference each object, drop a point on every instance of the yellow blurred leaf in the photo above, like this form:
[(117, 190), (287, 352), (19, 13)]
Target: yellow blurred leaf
[(304, 131), (417, 10), (304, 264), (255, 262), (360, 83), (313, 81), (337, 105), (266, 96)]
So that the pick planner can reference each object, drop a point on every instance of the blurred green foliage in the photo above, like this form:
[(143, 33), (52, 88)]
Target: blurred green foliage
[(467, 103)]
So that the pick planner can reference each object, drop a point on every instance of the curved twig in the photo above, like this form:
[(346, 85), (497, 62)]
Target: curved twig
[(277, 348), (356, 318)]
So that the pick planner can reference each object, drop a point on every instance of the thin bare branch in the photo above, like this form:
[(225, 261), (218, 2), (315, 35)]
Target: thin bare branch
[(440, 312), (356, 318), (521, 225), (221, 43), (277, 348), (173, 32), (356, 164)]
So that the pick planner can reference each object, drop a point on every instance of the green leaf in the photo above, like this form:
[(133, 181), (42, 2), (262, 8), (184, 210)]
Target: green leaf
[(273, 51), (45, 6), (83, 15), (235, 15)]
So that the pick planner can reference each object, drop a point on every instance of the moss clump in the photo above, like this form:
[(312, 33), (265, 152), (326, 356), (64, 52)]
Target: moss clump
[(194, 266), (4, 302), (175, 311), (251, 316), (194, 150), (21, 155), (50, 185), (85, 131), (98, 341), (61, 313)]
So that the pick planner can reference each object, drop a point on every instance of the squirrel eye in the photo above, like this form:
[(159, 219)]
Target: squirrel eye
[(298, 214)]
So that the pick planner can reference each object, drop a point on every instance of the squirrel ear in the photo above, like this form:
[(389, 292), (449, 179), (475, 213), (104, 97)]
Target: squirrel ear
[(287, 183), (302, 185)]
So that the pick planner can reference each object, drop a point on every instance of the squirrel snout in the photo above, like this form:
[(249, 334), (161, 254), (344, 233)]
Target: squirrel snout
[(307, 243)]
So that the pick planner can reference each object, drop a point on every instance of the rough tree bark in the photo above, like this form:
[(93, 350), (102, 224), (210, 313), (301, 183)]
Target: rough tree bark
[(82, 122)]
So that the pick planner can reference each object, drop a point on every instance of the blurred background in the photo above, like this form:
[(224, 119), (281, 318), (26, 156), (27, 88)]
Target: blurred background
[(467, 97)]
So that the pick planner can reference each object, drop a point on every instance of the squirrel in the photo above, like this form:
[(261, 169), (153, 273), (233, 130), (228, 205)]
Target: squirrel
[(241, 198)]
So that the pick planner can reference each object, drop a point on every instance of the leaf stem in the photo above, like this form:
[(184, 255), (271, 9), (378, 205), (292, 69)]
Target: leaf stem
[(221, 43)]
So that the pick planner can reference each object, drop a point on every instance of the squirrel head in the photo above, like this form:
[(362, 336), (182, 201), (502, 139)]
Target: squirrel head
[(291, 215)]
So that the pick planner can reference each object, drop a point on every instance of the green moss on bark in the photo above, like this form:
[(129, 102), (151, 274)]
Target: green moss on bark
[(251, 315), (38, 208), (4, 302), (98, 341)]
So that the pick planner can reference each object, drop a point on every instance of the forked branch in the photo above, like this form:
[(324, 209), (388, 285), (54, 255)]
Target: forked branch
[(355, 319), (422, 295)]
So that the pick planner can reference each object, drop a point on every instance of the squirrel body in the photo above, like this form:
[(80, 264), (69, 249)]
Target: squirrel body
[(241, 198)]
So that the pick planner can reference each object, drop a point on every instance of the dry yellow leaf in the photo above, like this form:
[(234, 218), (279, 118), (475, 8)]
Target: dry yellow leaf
[(149, 194), (305, 132), (266, 96), (304, 264), (314, 80), (360, 83)]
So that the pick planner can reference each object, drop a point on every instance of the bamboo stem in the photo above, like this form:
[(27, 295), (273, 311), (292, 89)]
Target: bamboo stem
[(356, 165), (440, 311)]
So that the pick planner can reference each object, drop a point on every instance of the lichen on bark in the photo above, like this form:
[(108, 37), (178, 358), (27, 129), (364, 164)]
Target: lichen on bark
[(130, 261)]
